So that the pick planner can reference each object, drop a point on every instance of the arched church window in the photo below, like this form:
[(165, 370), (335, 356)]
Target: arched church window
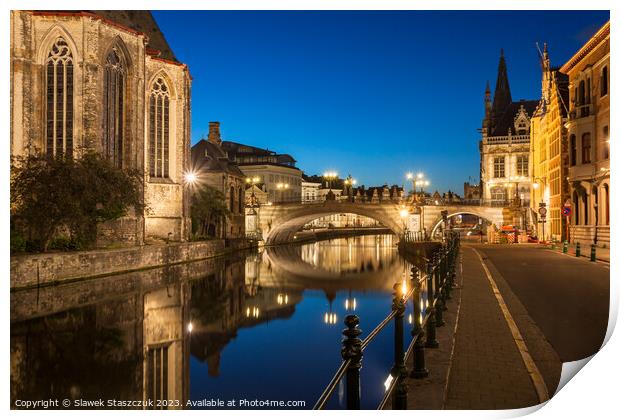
[(159, 127), (59, 100), (113, 106)]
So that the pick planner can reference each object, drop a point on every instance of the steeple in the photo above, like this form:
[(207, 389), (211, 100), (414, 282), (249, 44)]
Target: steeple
[(502, 97), (486, 123)]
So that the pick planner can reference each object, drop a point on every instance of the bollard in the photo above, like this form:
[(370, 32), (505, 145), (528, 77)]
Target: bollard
[(565, 247), (431, 323), (399, 371), (419, 365), (352, 349), (578, 250), (593, 253), (437, 292)]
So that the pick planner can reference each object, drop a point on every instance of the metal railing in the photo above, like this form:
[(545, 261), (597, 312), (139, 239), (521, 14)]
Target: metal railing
[(410, 237), (439, 280)]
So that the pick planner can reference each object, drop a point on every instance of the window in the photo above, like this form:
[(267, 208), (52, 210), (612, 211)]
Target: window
[(523, 165), (576, 206), (498, 194), (606, 142), (231, 207), (586, 146), (59, 100), (159, 120), (157, 373), (241, 200), (604, 81), (573, 150), (113, 107), (584, 197), (581, 100), (499, 167)]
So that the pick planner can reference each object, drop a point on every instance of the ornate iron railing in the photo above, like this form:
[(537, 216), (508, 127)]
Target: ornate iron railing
[(438, 282)]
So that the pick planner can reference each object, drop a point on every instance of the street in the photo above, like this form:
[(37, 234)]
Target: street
[(567, 297)]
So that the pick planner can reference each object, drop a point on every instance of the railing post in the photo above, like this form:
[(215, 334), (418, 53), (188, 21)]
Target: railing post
[(399, 371), (447, 263), (431, 323), (352, 350), (437, 292), (419, 364)]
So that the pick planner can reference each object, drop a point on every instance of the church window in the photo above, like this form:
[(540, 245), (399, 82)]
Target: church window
[(159, 127), (113, 107), (499, 169), (59, 100)]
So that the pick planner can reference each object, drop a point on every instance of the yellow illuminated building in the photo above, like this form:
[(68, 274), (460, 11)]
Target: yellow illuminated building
[(549, 152)]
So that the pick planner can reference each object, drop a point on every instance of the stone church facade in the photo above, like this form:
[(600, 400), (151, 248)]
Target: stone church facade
[(106, 81)]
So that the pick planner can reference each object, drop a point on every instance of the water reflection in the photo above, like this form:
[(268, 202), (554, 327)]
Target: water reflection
[(258, 325)]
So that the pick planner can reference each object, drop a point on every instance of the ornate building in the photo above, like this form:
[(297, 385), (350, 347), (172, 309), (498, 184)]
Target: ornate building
[(549, 151), (588, 140), (213, 168), (106, 81), (505, 144)]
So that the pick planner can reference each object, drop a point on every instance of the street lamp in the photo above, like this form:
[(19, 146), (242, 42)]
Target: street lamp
[(348, 184), (330, 176), (280, 186), (191, 178)]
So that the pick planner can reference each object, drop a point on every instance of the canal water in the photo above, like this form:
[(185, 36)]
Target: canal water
[(251, 327)]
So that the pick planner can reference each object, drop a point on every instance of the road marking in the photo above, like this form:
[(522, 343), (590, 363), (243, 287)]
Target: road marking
[(530, 366)]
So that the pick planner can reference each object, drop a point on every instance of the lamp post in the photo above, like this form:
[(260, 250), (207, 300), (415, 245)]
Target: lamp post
[(330, 176), (417, 181), (348, 184), (252, 215), (281, 187), (538, 182)]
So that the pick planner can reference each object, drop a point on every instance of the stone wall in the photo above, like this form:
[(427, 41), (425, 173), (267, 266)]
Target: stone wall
[(48, 268)]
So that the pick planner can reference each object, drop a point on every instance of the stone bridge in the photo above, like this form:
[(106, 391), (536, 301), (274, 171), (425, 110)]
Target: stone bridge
[(279, 223)]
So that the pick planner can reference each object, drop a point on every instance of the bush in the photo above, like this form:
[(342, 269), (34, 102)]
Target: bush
[(52, 195), (62, 243)]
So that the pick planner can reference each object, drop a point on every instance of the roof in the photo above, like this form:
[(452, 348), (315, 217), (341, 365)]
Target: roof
[(208, 156), (141, 21), (506, 120), (592, 43)]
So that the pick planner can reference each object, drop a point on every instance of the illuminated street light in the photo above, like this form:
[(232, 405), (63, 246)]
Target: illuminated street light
[(404, 213), (191, 177), (190, 327)]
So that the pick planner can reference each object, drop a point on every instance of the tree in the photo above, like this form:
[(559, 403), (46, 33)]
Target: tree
[(208, 210), (52, 195)]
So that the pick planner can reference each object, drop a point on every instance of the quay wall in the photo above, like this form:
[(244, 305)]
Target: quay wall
[(35, 270)]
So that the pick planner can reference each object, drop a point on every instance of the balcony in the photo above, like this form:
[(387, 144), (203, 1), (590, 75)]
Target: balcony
[(581, 111)]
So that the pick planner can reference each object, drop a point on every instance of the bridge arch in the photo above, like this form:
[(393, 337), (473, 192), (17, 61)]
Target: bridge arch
[(280, 223), (434, 225)]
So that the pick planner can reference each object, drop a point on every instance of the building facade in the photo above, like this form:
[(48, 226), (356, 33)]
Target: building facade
[(505, 144), (106, 81), (277, 172), (549, 153), (213, 168), (310, 191), (588, 140)]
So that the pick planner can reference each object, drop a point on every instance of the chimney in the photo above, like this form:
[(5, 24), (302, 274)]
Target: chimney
[(214, 133)]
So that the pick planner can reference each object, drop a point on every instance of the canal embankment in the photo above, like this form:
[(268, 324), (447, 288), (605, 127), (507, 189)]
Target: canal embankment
[(47, 269)]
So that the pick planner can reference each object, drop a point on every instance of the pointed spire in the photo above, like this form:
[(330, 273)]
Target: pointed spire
[(502, 97)]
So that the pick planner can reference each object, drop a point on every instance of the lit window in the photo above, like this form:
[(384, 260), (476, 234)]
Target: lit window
[(113, 107), (159, 120)]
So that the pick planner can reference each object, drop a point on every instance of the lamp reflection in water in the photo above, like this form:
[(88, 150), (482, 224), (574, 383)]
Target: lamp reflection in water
[(330, 317), (253, 312), (282, 299)]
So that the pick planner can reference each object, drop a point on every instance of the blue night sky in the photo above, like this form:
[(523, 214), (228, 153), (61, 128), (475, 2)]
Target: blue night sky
[(374, 94)]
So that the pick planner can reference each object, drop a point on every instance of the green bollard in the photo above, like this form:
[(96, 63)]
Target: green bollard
[(565, 247), (593, 253), (578, 250)]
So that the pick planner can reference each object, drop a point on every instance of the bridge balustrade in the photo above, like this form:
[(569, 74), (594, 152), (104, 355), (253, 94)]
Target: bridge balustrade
[(426, 317)]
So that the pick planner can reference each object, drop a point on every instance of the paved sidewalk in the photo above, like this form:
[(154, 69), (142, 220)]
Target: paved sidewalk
[(487, 370)]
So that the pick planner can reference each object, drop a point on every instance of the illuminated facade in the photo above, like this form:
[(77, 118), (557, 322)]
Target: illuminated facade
[(588, 140), (505, 144), (549, 151), (106, 81)]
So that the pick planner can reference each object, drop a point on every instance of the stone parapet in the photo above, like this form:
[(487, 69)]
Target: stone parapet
[(51, 268)]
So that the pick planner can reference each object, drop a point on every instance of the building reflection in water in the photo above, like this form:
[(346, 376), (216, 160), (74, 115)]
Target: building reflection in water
[(130, 336)]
